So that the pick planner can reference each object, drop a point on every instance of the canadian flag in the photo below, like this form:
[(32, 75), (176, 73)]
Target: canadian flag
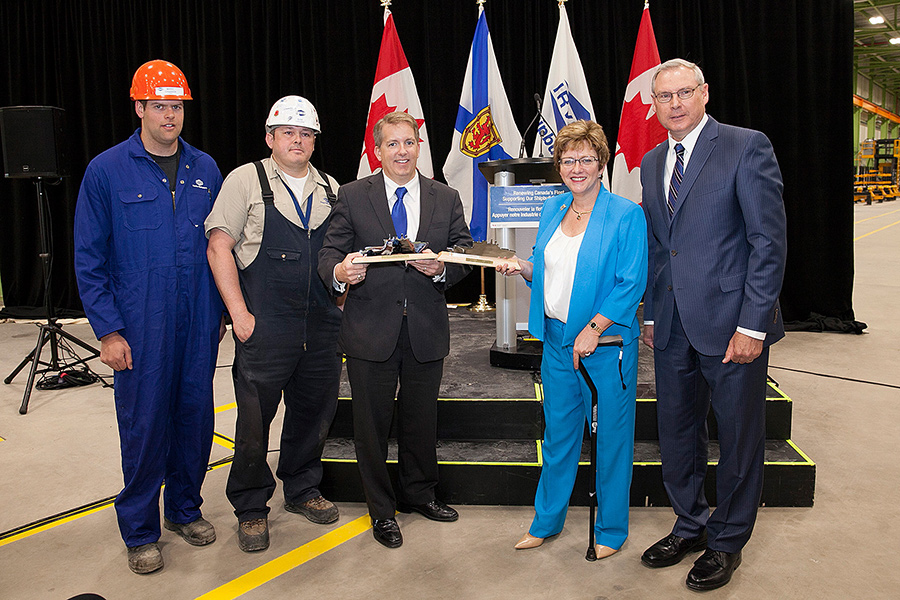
[(639, 129), (394, 90)]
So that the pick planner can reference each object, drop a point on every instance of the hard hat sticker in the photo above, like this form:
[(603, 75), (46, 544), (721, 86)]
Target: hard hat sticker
[(169, 91)]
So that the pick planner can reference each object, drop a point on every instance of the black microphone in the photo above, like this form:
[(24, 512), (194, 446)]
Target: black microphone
[(537, 99)]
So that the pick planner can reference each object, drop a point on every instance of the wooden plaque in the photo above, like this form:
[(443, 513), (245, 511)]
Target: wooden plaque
[(387, 258)]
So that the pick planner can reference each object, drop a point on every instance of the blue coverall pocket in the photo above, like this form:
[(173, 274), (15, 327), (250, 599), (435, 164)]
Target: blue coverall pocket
[(199, 201), (140, 210)]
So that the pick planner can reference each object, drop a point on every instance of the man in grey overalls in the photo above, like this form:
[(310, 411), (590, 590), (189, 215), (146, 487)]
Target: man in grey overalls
[(265, 231)]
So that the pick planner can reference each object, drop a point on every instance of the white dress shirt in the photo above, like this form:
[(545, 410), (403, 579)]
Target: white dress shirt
[(413, 206), (689, 141), (410, 203)]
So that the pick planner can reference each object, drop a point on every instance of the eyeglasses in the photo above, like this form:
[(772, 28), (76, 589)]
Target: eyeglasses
[(586, 162), (684, 94)]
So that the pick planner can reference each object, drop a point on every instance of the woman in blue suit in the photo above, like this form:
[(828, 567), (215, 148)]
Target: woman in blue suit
[(587, 274)]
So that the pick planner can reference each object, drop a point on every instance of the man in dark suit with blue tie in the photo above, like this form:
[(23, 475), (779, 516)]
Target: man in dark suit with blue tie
[(395, 325), (716, 232)]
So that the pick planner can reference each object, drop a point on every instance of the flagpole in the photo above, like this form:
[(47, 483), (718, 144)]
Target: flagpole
[(485, 129), (482, 305)]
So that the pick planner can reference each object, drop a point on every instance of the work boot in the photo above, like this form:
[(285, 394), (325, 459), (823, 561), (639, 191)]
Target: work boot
[(145, 558), (199, 532), (318, 510), (253, 535)]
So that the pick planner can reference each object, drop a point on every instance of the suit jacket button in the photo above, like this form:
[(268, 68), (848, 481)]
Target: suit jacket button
[(674, 252), (669, 287)]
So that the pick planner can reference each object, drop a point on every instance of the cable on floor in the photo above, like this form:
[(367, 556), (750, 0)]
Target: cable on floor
[(66, 378)]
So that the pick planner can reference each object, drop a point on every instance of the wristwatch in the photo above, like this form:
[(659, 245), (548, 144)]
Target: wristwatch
[(595, 327)]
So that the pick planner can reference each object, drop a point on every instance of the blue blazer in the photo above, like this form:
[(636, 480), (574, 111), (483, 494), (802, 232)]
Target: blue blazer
[(721, 255), (610, 272)]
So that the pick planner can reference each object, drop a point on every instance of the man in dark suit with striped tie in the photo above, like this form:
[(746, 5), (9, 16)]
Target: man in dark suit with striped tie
[(395, 326), (716, 232)]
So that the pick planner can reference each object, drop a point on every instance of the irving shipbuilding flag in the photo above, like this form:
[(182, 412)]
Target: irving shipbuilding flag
[(566, 98), (485, 129)]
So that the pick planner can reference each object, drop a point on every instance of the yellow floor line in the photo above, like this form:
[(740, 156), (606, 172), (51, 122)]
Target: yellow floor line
[(223, 441), (52, 524), (294, 558), (876, 216), (876, 231), (78, 515)]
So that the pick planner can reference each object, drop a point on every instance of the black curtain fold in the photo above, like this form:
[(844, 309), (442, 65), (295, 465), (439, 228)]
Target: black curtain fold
[(784, 67)]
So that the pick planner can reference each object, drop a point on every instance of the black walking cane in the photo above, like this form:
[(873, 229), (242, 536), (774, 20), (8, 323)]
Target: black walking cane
[(606, 340)]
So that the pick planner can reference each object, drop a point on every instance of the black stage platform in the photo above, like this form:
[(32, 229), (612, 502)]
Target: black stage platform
[(490, 424)]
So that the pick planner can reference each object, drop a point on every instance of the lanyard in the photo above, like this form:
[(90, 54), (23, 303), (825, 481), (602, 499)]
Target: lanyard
[(304, 219)]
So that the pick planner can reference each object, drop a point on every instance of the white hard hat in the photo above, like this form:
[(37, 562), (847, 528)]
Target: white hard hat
[(295, 111)]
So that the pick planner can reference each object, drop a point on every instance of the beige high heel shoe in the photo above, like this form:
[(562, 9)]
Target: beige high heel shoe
[(603, 551), (528, 541)]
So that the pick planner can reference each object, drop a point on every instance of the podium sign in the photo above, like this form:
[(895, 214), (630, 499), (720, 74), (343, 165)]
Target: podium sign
[(519, 206)]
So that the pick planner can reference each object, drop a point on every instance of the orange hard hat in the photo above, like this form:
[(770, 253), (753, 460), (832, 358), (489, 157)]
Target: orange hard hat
[(159, 80)]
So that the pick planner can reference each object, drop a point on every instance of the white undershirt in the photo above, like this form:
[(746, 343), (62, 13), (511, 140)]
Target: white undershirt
[(560, 257), (297, 185)]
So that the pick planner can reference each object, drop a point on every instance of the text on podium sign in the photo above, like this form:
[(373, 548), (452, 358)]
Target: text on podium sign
[(520, 205)]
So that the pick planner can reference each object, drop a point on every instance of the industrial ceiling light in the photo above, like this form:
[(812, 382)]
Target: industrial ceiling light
[(876, 20)]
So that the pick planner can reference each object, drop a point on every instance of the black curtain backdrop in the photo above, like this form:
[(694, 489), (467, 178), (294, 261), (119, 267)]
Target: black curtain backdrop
[(780, 66)]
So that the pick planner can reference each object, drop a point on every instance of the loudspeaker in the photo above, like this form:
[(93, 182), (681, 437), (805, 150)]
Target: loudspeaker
[(32, 141)]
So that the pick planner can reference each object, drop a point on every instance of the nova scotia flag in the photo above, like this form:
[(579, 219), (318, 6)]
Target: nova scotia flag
[(485, 130)]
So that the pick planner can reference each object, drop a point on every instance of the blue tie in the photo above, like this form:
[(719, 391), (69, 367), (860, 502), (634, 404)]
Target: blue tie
[(398, 213), (677, 175)]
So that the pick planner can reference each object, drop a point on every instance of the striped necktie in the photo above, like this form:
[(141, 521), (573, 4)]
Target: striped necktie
[(677, 176)]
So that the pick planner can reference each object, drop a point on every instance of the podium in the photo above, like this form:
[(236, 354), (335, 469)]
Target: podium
[(510, 350)]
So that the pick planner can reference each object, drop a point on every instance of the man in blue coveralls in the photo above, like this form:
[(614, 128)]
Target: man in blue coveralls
[(140, 261)]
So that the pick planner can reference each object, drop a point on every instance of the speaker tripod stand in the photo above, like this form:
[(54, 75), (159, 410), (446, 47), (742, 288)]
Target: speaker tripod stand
[(51, 332)]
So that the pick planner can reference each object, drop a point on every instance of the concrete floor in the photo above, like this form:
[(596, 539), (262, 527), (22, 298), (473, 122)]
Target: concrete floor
[(64, 454)]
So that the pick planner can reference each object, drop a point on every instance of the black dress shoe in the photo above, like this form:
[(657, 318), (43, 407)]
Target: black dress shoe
[(434, 510), (713, 570), (671, 549), (387, 532)]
